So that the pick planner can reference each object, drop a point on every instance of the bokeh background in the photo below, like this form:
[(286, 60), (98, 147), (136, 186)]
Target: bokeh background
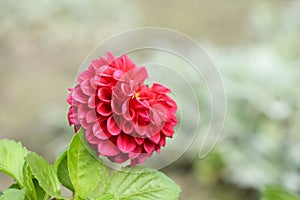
[(256, 48)]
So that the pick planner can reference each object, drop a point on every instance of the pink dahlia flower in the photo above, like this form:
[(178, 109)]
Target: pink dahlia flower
[(122, 117)]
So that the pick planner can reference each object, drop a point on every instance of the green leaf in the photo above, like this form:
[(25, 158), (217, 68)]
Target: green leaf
[(140, 183), (14, 186), (44, 173), (277, 193), (88, 175), (107, 197), (28, 184), (12, 159), (40, 193), (62, 171), (13, 194)]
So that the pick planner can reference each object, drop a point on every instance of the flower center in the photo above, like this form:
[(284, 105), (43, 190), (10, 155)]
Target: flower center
[(136, 95)]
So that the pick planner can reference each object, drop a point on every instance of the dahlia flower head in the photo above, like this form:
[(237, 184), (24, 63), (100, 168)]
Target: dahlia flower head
[(122, 117)]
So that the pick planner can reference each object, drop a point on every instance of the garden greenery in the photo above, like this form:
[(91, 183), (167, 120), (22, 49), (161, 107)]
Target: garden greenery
[(79, 171)]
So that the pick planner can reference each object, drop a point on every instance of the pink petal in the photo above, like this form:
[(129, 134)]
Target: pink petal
[(118, 74), (126, 143), (82, 111), (87, 74), (98, 63), (92, 102), (144, 116), (125, 111), (116, 106), (70, 99), (107, 148), (171, 103), (138, 104), (142, 157), (139, 140), (104, 109), (134, 162), (162, 141), (168, 129), (108, 71), (120, 158), (91, 116), (71, 116), (128, 127), (104, 81), (153, 129), (141, 130), (90, 137), (148, 146), (155, 118), (155, 138), (75, 103), (128, 64), (138, 74), (104, 94), (126, 88), (117, 64), (100, 132), (161, 111), (173, 120), (157, 148), (84, 123), (109, 57), (79, 95), (136, 152), (112, 126), (86, 88), (160, 88)]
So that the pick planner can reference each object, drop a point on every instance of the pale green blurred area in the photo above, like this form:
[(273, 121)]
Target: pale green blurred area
[(255, 45)]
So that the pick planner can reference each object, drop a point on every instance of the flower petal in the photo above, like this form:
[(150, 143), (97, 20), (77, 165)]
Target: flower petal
[(116, 106), (82, 111), (136, 152), (78, 95), (126, 143), (162, 141), (109, 57), (100, 132), (107, 148), (104, 109), (139, 140), (160, 88), (112, 127), (86, 88), (87, 74), (168, 129), (148, 146), (92, 103), (91, 116), (118, 74), (142, 157), (104, 94), (128, 127), (128, 64), (121, 157), (155, 138), (126, 111)]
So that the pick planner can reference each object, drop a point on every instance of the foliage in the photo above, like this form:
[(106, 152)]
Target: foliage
[(78, 170), (277, 193)]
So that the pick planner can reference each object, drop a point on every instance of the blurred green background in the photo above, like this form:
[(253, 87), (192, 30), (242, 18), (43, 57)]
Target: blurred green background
[(255, 45)]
